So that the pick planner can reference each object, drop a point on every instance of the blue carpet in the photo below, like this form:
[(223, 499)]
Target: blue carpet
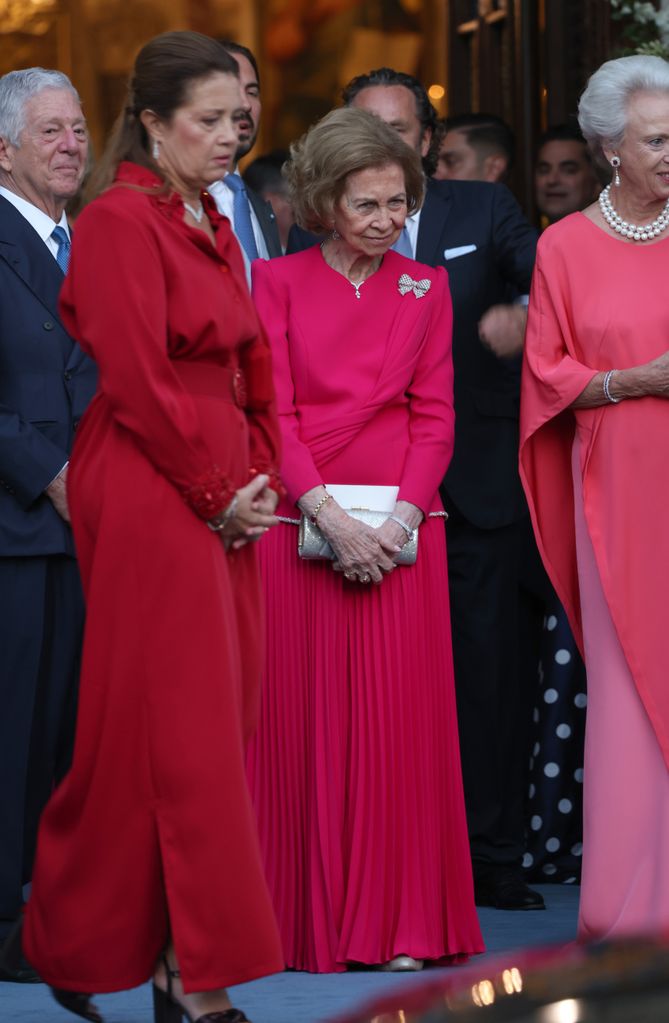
[(303, 997)]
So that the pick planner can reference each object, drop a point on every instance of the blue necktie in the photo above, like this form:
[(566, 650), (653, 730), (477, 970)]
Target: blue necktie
[(242, 214), (59, 234), (403, 244)]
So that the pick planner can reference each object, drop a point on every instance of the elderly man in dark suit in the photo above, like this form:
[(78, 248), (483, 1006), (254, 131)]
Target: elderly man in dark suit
[(478, 232), (45, 385), (252, 218)]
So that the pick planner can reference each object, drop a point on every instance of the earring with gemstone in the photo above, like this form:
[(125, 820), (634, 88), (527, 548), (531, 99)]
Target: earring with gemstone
[(335, 234), (615, 163), (155, 151)]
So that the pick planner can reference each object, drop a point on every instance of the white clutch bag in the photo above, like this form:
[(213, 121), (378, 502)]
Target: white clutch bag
[(371, 505)]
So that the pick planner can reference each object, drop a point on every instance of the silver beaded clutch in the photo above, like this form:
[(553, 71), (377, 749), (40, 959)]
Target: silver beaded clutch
[(312, 545)]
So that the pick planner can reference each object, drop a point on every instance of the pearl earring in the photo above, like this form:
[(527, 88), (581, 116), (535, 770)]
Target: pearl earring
[(155, 151), (615, 163)]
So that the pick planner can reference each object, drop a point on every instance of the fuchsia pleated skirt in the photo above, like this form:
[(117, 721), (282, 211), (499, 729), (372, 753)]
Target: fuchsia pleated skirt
[(355, 768)]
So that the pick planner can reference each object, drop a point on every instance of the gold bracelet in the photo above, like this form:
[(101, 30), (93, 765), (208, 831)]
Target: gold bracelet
[(319, 507)]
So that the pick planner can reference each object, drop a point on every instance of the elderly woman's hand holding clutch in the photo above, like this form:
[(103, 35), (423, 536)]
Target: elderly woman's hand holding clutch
[(362, 552)]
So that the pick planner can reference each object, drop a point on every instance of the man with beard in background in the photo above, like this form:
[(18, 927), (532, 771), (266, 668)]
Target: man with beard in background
[(252, 218)]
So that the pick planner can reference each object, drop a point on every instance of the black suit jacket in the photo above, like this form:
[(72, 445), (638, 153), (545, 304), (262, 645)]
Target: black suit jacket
[(497, 248), (46, 382), (265, 214)]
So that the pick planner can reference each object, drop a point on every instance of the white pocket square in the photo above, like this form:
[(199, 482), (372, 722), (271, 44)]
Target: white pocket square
[(460, 250)]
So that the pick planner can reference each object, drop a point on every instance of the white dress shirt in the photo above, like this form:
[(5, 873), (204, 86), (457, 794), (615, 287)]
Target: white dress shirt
[(39, 221), (224, 199)]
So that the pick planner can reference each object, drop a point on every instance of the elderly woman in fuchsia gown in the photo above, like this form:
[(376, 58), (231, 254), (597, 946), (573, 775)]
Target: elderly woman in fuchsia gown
[(355, 770), (594, 456)]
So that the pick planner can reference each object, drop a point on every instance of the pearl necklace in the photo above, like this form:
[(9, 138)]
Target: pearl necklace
[(196, 212), (638, 233)]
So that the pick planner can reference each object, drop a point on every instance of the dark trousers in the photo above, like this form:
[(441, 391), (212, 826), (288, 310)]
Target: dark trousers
[(496, 621), (41, 623)]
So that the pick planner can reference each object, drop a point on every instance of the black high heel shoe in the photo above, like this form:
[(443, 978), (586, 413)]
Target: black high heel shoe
[(78, 1003), (166, 1009)]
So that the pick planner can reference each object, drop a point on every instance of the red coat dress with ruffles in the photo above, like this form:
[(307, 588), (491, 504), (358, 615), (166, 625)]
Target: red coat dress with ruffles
[(152, 832)]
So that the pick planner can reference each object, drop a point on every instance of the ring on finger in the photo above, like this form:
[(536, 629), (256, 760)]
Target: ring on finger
[(365, 578), (349, 575)]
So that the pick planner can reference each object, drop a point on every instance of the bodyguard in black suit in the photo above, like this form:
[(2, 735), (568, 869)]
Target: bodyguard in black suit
[(478, 232), (45, 384)]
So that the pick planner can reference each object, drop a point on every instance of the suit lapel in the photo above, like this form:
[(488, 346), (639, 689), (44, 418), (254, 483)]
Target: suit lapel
[(265, 214), (434, 214), (26, 254)]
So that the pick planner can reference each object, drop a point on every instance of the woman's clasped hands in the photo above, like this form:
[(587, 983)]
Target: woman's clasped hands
[(249, 515), (363, 553)]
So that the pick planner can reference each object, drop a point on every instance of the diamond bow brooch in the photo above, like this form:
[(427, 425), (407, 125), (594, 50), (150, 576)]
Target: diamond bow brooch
[(419, 288)]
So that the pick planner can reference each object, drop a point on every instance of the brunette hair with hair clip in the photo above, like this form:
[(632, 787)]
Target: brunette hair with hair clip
[(164, 71)]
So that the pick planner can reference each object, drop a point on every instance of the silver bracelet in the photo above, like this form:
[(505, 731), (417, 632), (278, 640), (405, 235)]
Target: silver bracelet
[(400, 522), (607, 389), (227, 515)]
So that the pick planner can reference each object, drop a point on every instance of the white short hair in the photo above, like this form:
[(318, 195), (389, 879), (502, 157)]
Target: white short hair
[(602, 110), (16, 88)]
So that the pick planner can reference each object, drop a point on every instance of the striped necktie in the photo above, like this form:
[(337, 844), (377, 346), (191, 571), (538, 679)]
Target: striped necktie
[(59, 235), (241, 213)]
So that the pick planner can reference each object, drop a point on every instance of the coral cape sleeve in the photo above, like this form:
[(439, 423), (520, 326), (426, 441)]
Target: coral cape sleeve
[(623, 448), (552, 379)]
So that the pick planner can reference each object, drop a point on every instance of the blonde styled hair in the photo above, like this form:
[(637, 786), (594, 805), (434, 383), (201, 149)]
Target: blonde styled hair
[(344, 141)]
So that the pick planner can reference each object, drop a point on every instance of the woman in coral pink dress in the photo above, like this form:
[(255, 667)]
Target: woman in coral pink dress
[(594, 455), (355, 769), (148, 861)]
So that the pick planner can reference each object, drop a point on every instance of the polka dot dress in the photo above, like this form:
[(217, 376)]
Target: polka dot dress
[(555, 798)]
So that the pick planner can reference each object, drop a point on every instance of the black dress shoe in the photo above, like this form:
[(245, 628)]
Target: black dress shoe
[(13, 967), (21, 974), (505, 889)]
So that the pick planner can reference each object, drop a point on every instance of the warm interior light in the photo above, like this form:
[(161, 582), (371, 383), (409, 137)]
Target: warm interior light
[(26, 16), (436, 92)]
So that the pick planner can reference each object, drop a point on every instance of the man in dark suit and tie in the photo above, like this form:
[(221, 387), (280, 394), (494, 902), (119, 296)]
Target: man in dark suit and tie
[(478, 232), (45, 384), (251, 216)]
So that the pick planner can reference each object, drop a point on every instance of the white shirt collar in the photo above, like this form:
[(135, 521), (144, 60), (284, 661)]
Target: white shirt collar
[(38, 220)]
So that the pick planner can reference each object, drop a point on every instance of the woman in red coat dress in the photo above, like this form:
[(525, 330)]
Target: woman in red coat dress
[(150, 842)]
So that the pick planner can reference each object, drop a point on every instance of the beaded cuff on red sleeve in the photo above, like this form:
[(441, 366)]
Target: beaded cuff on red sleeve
[(274, 484), (210, 494)]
